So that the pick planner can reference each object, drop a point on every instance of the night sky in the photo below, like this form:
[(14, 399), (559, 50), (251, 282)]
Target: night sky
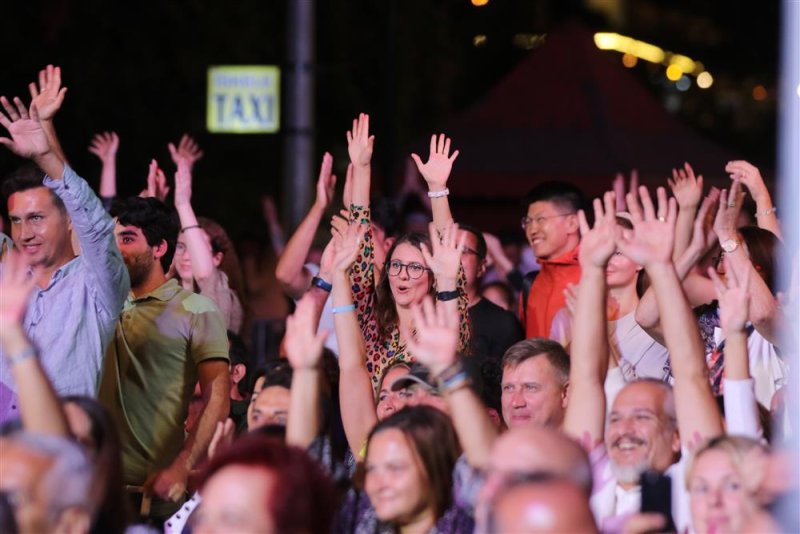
[(140, 69)]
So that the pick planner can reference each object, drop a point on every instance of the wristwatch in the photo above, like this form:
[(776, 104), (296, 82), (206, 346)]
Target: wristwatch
[(729, 245)]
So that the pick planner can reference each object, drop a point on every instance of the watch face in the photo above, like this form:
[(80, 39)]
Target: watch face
[(729, 245)]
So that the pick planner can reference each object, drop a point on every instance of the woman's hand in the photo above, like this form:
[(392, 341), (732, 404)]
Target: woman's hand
[(445, 260)]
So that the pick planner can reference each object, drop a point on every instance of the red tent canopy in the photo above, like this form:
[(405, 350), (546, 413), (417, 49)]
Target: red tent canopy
[(570, 112)]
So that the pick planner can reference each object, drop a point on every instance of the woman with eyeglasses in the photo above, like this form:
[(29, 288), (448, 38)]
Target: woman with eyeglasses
[(414, 266)]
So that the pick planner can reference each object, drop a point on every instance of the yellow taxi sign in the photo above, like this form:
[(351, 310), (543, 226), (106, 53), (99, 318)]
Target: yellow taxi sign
[(243, 99)]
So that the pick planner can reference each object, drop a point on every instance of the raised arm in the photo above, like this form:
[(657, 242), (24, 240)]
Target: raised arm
[(650, 244), (359, 148), (197, 243), (355, 389), (39, 406), (764, 312), (304, 346), (104, 146), (437, 338), (688, 191), (703, 237), (28, 137), (584, 419), (436, 172), (48, 98), (741, 407), (750, 176), (290, 271)]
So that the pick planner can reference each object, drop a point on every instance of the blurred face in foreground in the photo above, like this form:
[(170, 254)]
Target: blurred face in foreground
[(234, 500), (552, 506), (395, 481), (720, 502), (641, 432)]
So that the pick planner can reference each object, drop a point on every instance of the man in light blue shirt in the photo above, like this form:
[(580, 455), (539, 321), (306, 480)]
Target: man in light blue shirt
[(77, 299)]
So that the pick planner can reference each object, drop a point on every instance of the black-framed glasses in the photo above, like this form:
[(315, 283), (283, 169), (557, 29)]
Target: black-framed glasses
[(466, 250), (414, 270), (527, 221)]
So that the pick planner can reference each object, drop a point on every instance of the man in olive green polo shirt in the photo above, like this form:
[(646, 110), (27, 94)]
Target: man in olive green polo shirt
[(167, 340)]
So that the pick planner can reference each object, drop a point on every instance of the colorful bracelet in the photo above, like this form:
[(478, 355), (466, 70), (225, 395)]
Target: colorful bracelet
[(343, 309), (322, 284), (455, 382)]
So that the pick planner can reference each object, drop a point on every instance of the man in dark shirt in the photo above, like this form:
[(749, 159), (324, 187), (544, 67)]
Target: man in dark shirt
[(493, 328)]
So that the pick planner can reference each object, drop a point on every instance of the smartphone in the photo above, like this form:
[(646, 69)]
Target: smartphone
[(657, 496)]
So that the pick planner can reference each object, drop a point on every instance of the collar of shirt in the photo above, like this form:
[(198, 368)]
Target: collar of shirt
[(164, 292), (568, 258)]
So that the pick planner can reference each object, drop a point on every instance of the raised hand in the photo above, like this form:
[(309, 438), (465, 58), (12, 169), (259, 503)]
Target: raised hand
[(326, 183), (653, 233), (750, 176), (49, 96), (104, 146), (703, 236), (15, 289), (447, 249), (436, 338), (156, 183), (437, 169), (730, 204), (733, 297), (618, 185), (28, 138), (360, 142), (187, 151), (686, 187), (598, 244), (346, 242), (302, 342)]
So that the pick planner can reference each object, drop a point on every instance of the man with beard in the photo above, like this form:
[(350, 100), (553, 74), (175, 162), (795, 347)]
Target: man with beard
[(167, 340), (649, 426)]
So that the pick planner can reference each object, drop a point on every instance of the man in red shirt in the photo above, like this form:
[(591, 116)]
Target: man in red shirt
[(551, 226)]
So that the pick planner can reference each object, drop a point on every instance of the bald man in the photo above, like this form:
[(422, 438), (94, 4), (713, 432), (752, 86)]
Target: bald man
[(531, 451), (549, 505)]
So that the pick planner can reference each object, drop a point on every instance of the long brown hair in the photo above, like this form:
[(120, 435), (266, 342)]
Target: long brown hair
[(385, 308), (221, 242), (433, 440)]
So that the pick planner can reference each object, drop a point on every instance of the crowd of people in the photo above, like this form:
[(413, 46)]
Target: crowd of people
[(430, 378)]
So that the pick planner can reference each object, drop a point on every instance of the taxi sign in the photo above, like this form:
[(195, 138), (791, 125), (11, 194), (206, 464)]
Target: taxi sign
[(243, 99)]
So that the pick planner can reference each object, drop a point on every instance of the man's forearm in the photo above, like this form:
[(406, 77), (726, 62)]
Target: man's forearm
[(290, 270), (216, 408)]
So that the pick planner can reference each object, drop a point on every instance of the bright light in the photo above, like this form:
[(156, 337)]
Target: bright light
[(759, 93), (686, 64), (684, 83), (674, 73), (479, 40), (479, 3), (629, 60), (704, 80)]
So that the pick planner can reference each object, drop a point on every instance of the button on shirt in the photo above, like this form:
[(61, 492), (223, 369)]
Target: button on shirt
[(71, 321)]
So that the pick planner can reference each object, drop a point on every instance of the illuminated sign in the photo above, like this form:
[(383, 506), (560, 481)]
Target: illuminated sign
[(243, 99)]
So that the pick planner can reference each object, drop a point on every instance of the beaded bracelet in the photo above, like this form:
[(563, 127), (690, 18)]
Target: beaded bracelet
[(438, 194)]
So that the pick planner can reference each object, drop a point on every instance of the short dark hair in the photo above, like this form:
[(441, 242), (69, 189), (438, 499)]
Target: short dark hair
[(539, 346), (26, 177), (557, 192), (156, 221), (303, 499), (481, 246)]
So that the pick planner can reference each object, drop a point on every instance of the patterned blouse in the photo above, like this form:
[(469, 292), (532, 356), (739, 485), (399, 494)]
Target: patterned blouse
[(382, 348)]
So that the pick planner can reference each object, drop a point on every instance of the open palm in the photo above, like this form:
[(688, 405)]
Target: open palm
[(436, 170)]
